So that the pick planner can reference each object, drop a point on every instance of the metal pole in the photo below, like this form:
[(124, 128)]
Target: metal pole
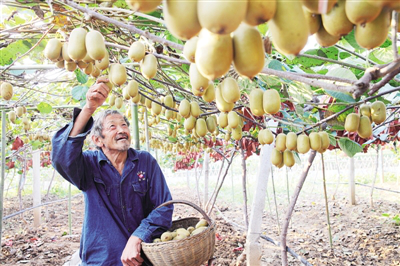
[(3, 167), (135, 126)]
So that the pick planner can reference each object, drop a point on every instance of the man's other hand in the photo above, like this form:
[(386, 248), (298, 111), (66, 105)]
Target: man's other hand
[(131, 254)]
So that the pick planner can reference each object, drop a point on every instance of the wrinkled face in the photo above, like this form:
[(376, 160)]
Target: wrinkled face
[(115, 135)]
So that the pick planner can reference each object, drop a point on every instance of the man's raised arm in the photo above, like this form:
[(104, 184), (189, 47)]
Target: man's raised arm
[(95, 97)]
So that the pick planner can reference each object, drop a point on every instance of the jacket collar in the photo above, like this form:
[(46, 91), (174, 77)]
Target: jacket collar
[(132, 156)]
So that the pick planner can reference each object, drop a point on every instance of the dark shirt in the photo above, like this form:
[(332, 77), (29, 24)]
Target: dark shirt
[(116, 206)]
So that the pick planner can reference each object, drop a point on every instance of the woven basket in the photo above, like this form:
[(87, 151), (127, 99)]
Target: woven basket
[(191, 251)]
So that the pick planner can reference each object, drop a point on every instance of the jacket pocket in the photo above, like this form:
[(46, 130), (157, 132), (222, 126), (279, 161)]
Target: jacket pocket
[(140, 187)]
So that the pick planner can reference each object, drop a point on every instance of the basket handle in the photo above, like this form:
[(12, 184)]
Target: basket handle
[(190, 204)]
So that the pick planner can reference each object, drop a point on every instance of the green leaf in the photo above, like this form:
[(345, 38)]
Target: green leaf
[(332, 140), (172, 38), (387, 43), (185, 67), (344, 55), (277, 65), (44, 108), (11, 51), (323, 71), (301, 93), (382, 55), (311, 62), (351, 39), (172, 139), (36, 144), (79, 92), (297, 158), (337, 108), (286, 114), (81, 76), (120, 4), (344, 97), (331, 52), (338, 128), (262, 28), (349, 147), (27, 44), (341, 72)]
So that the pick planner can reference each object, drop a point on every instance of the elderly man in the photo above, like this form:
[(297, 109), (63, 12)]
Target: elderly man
[(122, 186)]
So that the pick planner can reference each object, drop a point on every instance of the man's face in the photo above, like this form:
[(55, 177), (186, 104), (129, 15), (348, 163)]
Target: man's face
[(116, 134)]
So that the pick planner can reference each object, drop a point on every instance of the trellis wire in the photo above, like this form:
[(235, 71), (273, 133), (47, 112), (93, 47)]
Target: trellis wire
[(41, 205)]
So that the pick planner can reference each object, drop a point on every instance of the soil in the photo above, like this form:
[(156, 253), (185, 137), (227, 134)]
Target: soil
[(361, 235)]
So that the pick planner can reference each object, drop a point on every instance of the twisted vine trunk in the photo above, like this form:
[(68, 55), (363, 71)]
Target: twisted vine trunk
[(245, 213), (291, 207), (376, 174)]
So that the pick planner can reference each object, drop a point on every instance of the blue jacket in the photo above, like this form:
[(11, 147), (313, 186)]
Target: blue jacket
[(116, 206)]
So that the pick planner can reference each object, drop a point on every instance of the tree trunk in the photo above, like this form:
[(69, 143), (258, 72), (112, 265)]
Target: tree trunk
[(246, 219), (11, 181), (292, 205), (233, 186), (3, 168), (253, 248), (276, 204), (287, 184), (326, 201), (21, 184), (375, 176), (37, 200), (382, 168), (338, 179), (197, 178), (215, 195), (47, 194), (398, 174), (216, 186)]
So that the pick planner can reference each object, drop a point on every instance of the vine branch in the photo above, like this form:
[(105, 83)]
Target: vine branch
[(120, 24)]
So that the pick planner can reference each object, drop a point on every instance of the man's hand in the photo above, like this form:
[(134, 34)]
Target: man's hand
[(95, 97), (131, 254), (97, 94)]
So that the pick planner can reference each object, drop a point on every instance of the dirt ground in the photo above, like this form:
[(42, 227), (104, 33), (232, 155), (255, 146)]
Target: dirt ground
[(361, 235)]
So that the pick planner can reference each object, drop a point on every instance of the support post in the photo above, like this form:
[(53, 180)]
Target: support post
[(206, 175), (135, 126), (146, 130), (36, 187), (253, 248), (352, 183), (3, 167)]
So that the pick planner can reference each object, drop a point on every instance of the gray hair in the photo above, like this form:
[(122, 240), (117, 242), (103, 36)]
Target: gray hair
[(99, 121)]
